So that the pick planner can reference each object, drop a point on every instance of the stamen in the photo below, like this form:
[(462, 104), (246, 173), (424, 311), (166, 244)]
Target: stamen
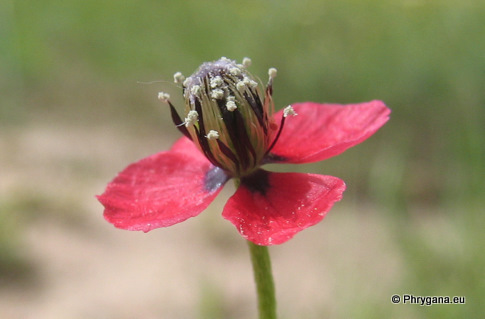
[(212, 135), (216, 81), (192, 118), (195, 90), (217, 94), (241, 86), (246, 62), (253, 84), (227, 151), (187, 82), (178, 77), (272, 73), (289, 110), (231, 106), (235, 71), (175, 117), (164, 97), (250, 82)]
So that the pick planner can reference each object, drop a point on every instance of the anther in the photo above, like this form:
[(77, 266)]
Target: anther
[(246, 62), (216, 81), (191, 118), (195, 90), (212, 135), (187, 82), (253, 84), (164, 97), (241, 86), (217, 94), (272, 73), (289, 110), (231, 106), (235, 71), (178, 77)]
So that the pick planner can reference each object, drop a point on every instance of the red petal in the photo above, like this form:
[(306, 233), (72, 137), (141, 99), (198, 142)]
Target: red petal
[(281, 205), (320, 131), (162, 189), (186, 146)]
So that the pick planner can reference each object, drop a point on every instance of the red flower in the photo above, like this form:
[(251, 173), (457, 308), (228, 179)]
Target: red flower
[(230, 132)]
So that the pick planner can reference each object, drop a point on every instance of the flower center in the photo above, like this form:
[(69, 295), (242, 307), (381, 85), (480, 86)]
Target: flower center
[(227, 116)]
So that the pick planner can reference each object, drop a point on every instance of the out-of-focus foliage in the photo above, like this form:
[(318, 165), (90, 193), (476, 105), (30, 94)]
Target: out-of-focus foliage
[(81, 61)]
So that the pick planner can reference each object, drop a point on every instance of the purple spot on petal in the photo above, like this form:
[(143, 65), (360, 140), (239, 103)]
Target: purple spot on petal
[(214, 179)]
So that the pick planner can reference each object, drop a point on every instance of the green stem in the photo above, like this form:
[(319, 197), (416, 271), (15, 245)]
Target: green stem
[(264, 281)]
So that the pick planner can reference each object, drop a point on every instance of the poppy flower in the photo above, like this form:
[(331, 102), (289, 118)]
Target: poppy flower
[(230, 131)]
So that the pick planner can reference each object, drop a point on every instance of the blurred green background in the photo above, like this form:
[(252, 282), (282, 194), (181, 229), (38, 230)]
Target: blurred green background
[(79, 83)]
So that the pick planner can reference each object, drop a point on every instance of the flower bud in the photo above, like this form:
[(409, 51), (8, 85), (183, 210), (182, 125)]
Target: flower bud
[(233, 126)]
